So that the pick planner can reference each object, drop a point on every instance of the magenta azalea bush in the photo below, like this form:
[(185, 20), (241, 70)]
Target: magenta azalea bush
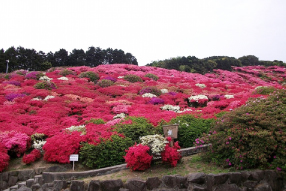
[(29, 105)]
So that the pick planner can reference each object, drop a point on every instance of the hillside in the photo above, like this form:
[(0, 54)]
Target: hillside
[(93, 100)]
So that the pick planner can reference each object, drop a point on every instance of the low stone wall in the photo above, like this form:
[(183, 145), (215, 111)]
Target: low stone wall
[(10, 178), (52, 176), (268, 180)]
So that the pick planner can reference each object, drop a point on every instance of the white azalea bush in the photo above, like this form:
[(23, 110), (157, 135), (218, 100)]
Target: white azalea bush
[(149, 95), (39, 145), (49, 97), (228, 96), (45, 78), (201, 85), (120, 116), (63, 78), (198, 100), (79, 128), (174, 108), (156, 143), (164, 91)]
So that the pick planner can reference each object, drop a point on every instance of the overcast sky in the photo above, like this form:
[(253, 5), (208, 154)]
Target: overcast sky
[(149, 29)]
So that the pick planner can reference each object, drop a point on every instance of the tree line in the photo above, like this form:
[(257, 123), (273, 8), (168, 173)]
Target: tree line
[(205, 65), (30, 59)]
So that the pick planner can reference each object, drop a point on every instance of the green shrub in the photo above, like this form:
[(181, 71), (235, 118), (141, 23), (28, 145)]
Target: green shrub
[(191, 128), (66, 72), (264, 90), (135, 127), (95, 121), (132, 78), (92, 76), (108, 153), (45, 85), (105, 83), (252, 136), (45, 66), (152, 90), (152, 76)]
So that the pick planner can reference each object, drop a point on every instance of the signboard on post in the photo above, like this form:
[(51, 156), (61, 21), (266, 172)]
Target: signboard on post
[(171, 131), (73, 157)]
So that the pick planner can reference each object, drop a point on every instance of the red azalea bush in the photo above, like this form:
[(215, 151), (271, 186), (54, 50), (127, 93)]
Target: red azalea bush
[(4, 157), (59, 147), (171, 155), (32, 157), (138, 157)]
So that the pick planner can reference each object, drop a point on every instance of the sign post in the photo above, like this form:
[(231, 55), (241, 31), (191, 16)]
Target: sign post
[(73, 157), (171, 131)]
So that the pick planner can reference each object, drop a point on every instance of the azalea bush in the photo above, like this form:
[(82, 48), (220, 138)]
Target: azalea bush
[(252, 136), (152, 76), (108, 152), (4, 157), (138, 158), (170, 155), (66, 72), (152, 90), (105, 83), (45, 85), (15, 142), (32, 156), (92, 76), (133, 78)]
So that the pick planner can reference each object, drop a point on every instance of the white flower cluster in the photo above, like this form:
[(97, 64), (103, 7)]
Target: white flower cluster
[(45, 78), (120, 77), (201, 85), (80, 128), (164, 91), (121, 115), (174, 108), (36, 99), (39, 145), (148, 95), (63, 78), (197, 98), (228, 96), (49, 97), (155, 142)]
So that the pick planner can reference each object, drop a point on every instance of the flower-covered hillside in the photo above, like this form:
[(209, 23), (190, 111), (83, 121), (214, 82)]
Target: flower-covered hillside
[(63, 100)]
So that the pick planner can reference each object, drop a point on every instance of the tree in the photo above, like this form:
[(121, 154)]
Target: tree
[(77, 58), (60, 58), (3, 61), (11, 55), (94, 56), (130, 59), (249, 60)]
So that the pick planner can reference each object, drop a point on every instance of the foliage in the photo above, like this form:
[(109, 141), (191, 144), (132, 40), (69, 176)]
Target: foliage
[(171, 155), (152, 90), (66, 72), (137, 127), (92, 76), (32, 156), (45, 85), (34, 75), (191, 128), (105, 83), (132, 78), (95, 121), (138, 157), (4, 157), (152, 76), (109, 152), (264, 90), (251, 136)]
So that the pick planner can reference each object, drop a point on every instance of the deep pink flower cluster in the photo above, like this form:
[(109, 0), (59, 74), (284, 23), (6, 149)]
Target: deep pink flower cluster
[(171, 155), (4, 157)]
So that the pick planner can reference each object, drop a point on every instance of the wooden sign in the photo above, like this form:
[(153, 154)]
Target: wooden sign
[(171, 131)]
